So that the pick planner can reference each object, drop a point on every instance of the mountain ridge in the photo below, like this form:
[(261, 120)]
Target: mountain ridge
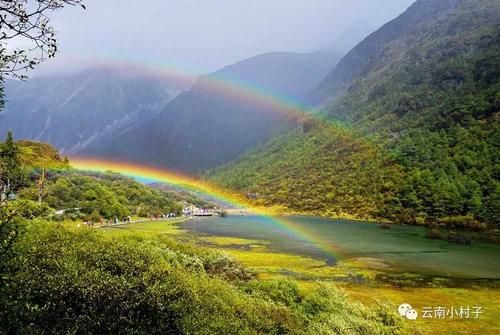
[(218, 118), (73, 110), (431, 105), (358, 60)]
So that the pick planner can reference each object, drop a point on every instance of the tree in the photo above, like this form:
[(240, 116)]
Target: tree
[(12, 175), (27, 21), (41, 186)]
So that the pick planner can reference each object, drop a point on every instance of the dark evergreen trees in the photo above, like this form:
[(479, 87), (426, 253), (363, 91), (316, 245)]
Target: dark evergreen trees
[(12, 174)]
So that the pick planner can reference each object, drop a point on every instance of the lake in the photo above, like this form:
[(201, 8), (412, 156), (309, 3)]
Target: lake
[(402, 248)]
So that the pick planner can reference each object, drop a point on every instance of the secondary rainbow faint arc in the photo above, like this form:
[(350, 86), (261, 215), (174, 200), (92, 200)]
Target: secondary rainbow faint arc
[(162, 175)]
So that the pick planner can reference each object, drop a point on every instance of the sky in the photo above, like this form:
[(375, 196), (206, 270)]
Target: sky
[(201, 36)]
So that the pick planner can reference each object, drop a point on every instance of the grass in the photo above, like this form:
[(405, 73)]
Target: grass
[(356, 276), (487, 298), (168, 227)]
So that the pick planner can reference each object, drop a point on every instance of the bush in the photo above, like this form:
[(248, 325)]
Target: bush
[(462, 222), (26, 209), (332, 313), (67, 280), (81, 282), (434, 234), (94, 216), (225, 266)]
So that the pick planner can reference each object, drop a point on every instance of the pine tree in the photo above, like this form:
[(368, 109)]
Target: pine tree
[(12, 175)]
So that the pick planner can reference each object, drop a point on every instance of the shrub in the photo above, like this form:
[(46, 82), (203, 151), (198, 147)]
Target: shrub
[(67, 280), (74, 281), (225, 266), (434, 234), (26, 209)]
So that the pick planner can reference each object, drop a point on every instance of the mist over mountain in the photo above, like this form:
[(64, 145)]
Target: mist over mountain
[(370, 51), (203, 127), (74, 110)]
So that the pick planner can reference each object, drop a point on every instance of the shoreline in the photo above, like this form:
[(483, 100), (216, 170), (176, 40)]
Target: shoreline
[(481, 236)]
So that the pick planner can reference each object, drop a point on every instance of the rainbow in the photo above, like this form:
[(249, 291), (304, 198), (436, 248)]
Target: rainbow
[(216, 83), (155, 174)]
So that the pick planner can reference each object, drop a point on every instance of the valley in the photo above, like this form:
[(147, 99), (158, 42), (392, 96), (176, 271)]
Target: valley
[(334, 190)]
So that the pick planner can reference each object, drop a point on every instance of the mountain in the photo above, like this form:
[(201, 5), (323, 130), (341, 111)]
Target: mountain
[(73, 111), (372, 50), (424, 90), (222, 115)]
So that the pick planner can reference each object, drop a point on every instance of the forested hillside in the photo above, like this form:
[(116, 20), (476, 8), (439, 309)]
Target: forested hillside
[(106, 196), (371, 51), (434, 103), (35, 172), (316, 168), (430, 101)]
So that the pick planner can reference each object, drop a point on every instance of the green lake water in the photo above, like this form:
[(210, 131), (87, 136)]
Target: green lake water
[(402, 247)]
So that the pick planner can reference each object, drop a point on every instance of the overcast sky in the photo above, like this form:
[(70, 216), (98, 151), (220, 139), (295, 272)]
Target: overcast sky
[(204, 35)]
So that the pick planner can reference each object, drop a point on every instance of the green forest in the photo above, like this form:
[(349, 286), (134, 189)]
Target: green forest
[(423, 142), (320, 169), (439, 121)]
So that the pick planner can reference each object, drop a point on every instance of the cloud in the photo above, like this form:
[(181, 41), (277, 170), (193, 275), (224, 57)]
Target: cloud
[(205, 35)]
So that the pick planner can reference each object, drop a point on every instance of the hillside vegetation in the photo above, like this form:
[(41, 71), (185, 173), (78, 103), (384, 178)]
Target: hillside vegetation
[(425, 89), (106, 196), (41, 155), (35, 171), (325, 170), (434, 102)]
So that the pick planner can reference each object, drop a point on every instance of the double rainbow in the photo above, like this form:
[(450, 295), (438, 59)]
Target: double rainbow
[(242, 91)]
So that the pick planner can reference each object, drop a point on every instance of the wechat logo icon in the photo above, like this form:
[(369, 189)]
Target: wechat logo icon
[(405, 310)]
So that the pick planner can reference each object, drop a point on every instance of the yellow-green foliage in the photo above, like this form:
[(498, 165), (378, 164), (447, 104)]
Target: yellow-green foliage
[(324, 171), (41, 155)]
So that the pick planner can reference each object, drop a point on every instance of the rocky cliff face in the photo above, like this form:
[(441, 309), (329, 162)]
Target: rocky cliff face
[(74, 111)]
